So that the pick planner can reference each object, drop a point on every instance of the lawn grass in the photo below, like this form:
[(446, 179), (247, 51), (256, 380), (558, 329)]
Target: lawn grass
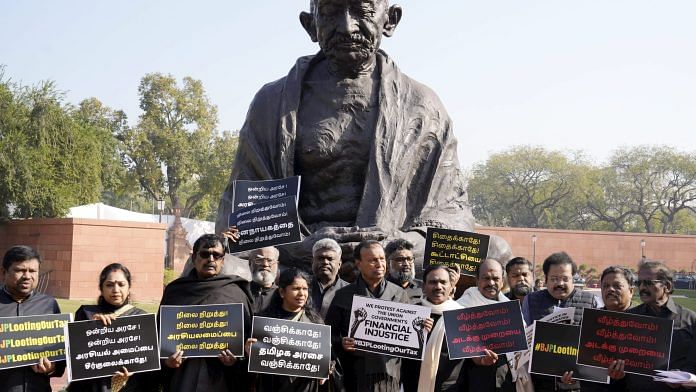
[(689, 302), (70, 306)]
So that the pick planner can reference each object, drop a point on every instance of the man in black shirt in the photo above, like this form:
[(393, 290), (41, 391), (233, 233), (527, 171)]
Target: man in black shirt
[(20, 275), (263, 264), (326, 261)]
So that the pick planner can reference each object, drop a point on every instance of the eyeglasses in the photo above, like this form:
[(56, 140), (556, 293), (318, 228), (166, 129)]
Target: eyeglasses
[(403, 260), (265, 260), (204, 254), (648, 282)]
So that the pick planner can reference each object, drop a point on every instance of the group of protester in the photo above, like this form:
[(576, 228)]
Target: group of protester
[(323, 297)]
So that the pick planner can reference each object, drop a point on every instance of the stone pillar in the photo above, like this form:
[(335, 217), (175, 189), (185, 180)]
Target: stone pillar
[(178, 248)]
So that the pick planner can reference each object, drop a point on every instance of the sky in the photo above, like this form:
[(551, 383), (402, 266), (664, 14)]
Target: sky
[(590, 75)]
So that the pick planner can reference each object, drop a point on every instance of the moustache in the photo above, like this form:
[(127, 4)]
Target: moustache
[(645, 292), (559, 288), (355, 39)]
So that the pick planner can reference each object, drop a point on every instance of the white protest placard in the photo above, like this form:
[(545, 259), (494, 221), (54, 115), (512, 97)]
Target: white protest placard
[(389, 328)]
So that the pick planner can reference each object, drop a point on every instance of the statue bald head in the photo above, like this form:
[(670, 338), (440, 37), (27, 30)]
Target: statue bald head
[(349, 32)]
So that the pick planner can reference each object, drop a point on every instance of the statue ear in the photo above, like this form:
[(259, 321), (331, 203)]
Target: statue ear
[(393, 19), (307, 21)]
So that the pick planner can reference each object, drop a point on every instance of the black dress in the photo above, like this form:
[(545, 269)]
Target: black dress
[(275, 383), (138, 382)]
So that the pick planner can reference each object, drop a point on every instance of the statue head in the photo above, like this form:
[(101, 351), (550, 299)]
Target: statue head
[(349, 32)]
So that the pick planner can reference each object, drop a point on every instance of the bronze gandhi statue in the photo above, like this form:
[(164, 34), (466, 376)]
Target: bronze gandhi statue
[(375, 149)]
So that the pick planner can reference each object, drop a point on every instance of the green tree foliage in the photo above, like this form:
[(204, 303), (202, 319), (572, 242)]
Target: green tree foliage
[(51, 160), (525, 187), (641, 189), (650, 189), (174, 151)]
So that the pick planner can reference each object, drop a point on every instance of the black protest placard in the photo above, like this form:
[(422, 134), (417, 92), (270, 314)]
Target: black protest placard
[(290, 348), (266, 224), (450, 247), (249, 193), (201, 330), (389, 328), (96, 350), (26, 339), (555, 351), (497, 327), (643, 342)]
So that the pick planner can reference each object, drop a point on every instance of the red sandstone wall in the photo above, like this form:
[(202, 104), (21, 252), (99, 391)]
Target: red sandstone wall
[(77, 249), (599, 248)]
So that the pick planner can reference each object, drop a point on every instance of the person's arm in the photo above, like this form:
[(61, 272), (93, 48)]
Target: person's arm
[(525, 311)]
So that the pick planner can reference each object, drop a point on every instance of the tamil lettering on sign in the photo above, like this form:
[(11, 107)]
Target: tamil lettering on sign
[(249, 193), (96, 350), (555, 351), (25, 339), (450, 247), (643, 342), (290, 348), (266, 224), (386, 327), (497, 327), (201, 330)]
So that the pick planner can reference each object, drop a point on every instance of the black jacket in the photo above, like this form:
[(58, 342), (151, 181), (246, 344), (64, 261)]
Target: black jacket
[(362, 368), (23, 379)]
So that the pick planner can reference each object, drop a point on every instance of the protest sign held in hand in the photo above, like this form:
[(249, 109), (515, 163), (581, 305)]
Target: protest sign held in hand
[(249, 193), (265, 224), (96, 350), (555, 351), (450, 247), (643, 342), (26, 339), (290, 348), (497, 327), (389, 328), (559, 315), (201, 330)]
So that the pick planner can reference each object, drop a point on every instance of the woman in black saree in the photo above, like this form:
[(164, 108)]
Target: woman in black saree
[(113, 302), (289, 302)]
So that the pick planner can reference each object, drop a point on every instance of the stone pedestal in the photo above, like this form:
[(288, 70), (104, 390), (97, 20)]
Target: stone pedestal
[(178, 248)]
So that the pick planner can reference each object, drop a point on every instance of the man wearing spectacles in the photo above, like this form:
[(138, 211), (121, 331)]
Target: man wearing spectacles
[(263, 264), (402, 268), (207, 284), (560, 292), (655, 286)]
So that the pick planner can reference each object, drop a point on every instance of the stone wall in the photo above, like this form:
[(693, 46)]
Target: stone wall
[(600, 249), (76, 250)]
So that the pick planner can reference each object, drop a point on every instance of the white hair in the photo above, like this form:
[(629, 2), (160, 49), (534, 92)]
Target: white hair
[(326, 243)]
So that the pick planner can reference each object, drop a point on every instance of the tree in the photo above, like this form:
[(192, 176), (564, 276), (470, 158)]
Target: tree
[(50, 159), (174, 150), (647, 189), (524, 187)]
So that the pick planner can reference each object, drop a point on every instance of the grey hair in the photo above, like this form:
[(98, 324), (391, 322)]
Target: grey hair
[(326, 243)]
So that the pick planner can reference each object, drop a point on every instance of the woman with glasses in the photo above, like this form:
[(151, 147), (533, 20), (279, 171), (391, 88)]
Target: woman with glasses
[(114, 301)]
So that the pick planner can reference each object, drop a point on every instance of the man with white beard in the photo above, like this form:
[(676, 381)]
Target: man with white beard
[(263, 264)]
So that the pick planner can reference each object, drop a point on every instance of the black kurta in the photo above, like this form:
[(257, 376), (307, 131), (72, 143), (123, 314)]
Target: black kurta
[(146, 381), (207, 374)]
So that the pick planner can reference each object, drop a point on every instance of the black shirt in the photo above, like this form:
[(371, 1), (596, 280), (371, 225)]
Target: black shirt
[(261, 296)]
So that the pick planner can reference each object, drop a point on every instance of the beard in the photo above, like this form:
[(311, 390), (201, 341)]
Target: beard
[(403, 277), (520, 290), (263, 278)]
